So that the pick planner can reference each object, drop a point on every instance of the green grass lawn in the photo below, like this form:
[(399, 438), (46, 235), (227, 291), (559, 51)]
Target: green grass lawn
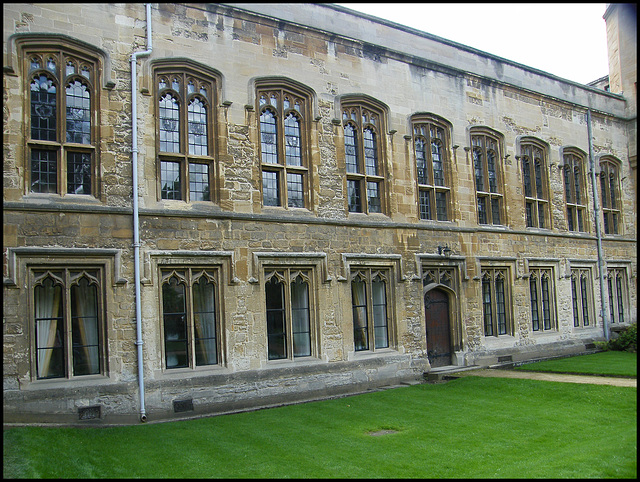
[(471, 427), (611, 363)]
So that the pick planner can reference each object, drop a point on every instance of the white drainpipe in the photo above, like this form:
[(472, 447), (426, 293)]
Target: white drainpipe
[(136, 223), (604, 299)]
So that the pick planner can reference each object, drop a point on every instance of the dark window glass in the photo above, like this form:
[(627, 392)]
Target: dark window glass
[(197, 128), (295, 191), (43, 109), (79, 173), (373, 195), (170, 180), (276, 333), (293, 154), (44, 171), (204, 320), (175, 324), (355, 197), (270, 189), (199, 182), (78, 113), (360, 319), (351, 148), (169, 124), (85, 328), (425, 204)]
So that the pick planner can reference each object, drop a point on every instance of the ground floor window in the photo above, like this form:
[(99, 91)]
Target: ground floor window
[(542, 300), (582, 296), (289, 314), (190, 315), (617, 284), (68, 321), (495, 308), (369, 295)]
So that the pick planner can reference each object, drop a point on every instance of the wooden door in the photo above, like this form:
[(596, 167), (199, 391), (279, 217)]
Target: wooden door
[(436, 304)]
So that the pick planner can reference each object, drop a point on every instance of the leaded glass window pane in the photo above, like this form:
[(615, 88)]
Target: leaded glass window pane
[(486, 307), (425, 204), (351, 148), (441, 206), (276, 334), (355, 197), (533, 289), (170, 180), (199, 189), (43, 109), (421, 162), (270, 188), (268, 145), (438, 167), (204, 320), (295, 191), (169, 124), (360, 322), (300, 317), (373, 196), (370, 153), (50, 348), (379, 308), (293, 155), (78, 172), (85, 328), (526, 174), (197, 127), (175, 323), (477, 164), (44, 171), (78, 113), (482, 210)]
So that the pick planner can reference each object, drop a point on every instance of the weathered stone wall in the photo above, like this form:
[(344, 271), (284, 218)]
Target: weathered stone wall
[(232, 233)]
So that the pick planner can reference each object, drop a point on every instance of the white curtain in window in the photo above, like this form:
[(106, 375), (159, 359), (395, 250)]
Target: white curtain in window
[(205, 322), (359, 315), (85, 315), (47, 306)]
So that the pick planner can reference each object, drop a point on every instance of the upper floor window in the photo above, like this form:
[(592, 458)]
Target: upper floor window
[(185, 133), (431, 148), (68, 319), (190, 315), (609, 186), (289, 314), (495, 306), (363, 126), (486, 151), (534, 179), (62, 127), (574, 190), (369, 297), (284, 146)]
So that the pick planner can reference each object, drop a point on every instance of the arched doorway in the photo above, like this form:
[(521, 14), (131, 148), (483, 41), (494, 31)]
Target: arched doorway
[(436, 304)]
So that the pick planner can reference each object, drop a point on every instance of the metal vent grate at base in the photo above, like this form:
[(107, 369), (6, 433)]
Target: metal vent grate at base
[(89, 413), (183, 405)]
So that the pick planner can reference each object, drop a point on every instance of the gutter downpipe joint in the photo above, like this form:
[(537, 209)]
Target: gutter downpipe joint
[(604, 300), (136, 223)]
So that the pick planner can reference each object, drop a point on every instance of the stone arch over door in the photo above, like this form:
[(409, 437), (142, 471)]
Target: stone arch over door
[(439, 305)]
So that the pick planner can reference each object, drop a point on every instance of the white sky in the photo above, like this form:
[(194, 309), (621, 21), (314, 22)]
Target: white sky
[(565, 39)]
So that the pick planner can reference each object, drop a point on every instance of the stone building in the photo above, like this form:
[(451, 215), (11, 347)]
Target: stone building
[(213, 207)]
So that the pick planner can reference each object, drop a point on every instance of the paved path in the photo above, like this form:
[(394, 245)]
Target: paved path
[(549, 377)]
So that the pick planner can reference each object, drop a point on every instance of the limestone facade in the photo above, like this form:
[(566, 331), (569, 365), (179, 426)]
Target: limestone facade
[(228, 237)]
